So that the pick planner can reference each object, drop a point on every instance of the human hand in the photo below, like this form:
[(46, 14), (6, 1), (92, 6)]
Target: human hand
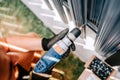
[(7, 65)]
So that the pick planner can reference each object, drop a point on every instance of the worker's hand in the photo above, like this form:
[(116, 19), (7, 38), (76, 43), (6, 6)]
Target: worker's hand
[(48, 43), (7, 65)]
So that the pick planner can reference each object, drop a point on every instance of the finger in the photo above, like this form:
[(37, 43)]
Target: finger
[(2, 50), (4, 66), (13, 58), (26, 60), (13, 61)]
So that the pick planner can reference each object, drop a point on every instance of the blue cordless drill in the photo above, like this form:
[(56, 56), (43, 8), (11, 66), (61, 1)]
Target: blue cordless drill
[(56, 52)]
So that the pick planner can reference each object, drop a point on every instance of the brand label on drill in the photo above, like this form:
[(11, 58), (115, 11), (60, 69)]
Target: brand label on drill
[(47, 61), (58, 49), (40, 66)]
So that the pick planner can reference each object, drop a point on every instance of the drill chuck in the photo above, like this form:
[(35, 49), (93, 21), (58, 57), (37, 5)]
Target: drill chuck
[(74, 34)]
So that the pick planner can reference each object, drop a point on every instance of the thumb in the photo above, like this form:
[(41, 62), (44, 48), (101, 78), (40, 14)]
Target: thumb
[(14, 58), (13, 61)]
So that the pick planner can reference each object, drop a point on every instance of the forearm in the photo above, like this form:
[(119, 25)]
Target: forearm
[(24, 42)]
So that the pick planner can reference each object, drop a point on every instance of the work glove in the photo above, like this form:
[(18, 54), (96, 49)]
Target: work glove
[(48, 43)]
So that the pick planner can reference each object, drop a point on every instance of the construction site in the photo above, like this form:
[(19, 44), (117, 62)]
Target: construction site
[(79, 39)]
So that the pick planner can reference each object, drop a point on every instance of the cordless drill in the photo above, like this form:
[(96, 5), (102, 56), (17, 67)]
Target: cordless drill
[(56, 52)]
